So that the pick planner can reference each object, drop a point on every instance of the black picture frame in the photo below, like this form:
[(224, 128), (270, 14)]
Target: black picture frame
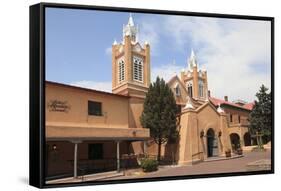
[(37, 145)]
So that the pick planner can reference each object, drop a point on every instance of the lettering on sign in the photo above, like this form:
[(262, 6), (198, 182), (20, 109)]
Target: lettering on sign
[(58, 106)]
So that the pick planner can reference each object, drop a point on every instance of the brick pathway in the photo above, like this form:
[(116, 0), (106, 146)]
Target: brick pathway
[(223, 166)]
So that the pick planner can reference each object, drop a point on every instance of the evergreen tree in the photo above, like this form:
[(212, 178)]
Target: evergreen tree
[(159, 113), (260, 116)]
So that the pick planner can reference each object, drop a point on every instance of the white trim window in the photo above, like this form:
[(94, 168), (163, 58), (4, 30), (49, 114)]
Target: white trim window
[(121, 70), (189, 89), (137, 69), (201, 89)]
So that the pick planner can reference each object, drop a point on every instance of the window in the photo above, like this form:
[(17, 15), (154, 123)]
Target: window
[(201, 91), (230, 118), (177, 90), (239, 119), (121, 70), (133, 37), (94, 108), (189, 89), (138, 69), (95, 151)]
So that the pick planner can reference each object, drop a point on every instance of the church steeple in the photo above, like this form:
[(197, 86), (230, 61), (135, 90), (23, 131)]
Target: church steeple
[(130, 63), (130, 29), (195, 79), (131, 21), (192, 61)]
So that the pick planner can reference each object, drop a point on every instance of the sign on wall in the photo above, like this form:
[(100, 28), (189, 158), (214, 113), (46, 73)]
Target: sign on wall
[(58, 106)]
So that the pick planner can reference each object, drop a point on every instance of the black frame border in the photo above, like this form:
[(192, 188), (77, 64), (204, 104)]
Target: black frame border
[(37, 93)]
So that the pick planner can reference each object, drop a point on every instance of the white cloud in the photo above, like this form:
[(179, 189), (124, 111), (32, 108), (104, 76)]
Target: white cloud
[(148, 33), (102, 86), (229, 50), (108, 50), (165, 71)]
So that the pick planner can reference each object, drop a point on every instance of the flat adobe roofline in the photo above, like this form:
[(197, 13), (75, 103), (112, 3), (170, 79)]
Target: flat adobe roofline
[(84, 89)]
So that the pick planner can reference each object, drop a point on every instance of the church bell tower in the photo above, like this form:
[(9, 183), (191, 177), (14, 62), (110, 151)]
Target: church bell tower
[(130, 63), (195, 79)]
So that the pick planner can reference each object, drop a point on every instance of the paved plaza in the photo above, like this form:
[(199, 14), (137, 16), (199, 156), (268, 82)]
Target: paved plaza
[(221, 166), (250, 161)]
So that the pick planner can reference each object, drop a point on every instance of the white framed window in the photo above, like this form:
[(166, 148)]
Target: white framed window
[(189, 89), (121, 70), (201, 89), (137, 69)]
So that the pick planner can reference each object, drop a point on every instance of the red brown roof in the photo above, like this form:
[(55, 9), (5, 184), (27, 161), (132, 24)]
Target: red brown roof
[(216, 102), (249, 105)]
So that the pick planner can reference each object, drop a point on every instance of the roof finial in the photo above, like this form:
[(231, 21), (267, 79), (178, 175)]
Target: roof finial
[(131, 21), (188, 104), (219, 109), (192, 54), (115, 42), (192, 62)]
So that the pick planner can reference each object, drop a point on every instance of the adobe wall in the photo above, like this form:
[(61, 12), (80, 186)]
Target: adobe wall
[(192, 146), (114, 108)]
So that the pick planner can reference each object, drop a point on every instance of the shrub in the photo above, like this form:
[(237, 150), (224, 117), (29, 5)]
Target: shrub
[(149, 165), (228, 153), (239, 151)]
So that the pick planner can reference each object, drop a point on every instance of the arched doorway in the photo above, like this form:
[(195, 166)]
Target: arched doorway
[(247, 139), (235, 141), (212, 143)]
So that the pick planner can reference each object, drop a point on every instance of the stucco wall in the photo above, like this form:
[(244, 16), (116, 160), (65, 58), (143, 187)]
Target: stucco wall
[(244, 115), (193, 147), (114, 108)]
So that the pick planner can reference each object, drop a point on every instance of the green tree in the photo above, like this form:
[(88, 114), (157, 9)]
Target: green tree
[(260, 116), (159, 113)]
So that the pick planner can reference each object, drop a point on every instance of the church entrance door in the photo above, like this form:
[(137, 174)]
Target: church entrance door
[(212, 143)]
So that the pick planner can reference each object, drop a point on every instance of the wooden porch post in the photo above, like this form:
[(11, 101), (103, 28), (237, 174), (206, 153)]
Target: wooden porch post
[(144, 147), (75, 158), (118, 156)]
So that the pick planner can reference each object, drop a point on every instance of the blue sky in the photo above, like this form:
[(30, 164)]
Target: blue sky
[(235, 53)]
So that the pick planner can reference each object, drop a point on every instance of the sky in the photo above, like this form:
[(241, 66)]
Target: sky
[(236, 53)]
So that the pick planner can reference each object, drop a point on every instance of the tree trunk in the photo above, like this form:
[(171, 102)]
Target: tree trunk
[(159, 151)]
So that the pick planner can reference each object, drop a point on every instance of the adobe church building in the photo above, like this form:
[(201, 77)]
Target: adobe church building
[(208, 126), (91, 131)]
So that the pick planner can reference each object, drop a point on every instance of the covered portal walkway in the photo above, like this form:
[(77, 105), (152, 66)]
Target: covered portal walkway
[(88, 148)]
